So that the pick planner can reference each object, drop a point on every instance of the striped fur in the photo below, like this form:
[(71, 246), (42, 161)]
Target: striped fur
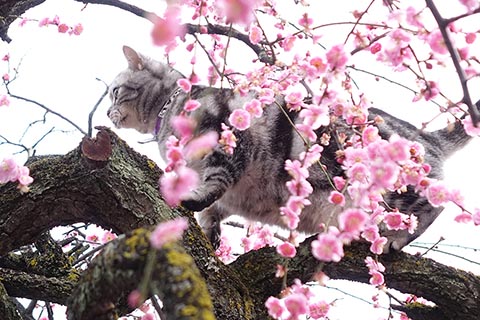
[(251, 182)]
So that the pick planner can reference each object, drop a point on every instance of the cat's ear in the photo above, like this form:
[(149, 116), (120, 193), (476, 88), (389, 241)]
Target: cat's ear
[(135, 61)]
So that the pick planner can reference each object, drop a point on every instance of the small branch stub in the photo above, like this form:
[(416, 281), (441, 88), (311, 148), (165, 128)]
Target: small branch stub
[(98, 148)]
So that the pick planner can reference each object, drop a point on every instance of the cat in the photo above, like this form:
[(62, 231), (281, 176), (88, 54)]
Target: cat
[(251, 182)]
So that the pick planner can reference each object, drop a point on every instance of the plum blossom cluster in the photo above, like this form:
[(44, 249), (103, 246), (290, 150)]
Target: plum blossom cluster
[(258, 236), (299, 187), (179, 180), (11, 171), (297, 302), (76, 29), (375, 270)]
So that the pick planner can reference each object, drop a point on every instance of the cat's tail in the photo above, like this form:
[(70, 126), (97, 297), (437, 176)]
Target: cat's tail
[(453, 138)]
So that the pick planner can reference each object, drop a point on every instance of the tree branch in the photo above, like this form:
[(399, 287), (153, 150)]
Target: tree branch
[(455, 292), (119, 192), (120, 268), (443, 25)]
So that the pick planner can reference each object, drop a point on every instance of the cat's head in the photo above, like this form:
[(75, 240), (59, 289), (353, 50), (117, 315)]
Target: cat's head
[(138, 92)]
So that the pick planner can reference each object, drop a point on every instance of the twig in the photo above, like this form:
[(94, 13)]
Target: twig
[(443, 24), (90, 115), (48, 110), (358, 20)]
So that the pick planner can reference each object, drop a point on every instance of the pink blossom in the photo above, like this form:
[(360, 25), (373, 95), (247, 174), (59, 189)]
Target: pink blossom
[(318, 310), (395, 220), (384, 174), (374, 265), (255, 34), (8, 170), (398, 149), (305, 21), (176, 185), (476, 216), (436, 42), (148, 316), (199, 147), (276, 307), (352, 221), (224, 251), (470, 37), (183, 126), (306, 131), (266, 96), (376, 47), (108, 236), (227, 139), (337, 57), (336, 198), (413, 17), (191, 105), (319, 64), (288, 43), (185, 85), (77, 29), (463, 217), (63, 28), (254, 107), (165, 30), (23, 22), (238, 11), (296, 169), (6, 57), (168, 231), (290, 217), (376, 278), (240, 119), (438, 194), (339, 182), (471, 5), (297, 204), (43, 22), (358, 172), (287, 250), (327, 247), (370, 135), (315, 116), (23, 176), (4, 101), (378, 245), (294, 100), (355, 155), (468, 125), (135, 298), (301, 188), (371, 232), (296, 304)]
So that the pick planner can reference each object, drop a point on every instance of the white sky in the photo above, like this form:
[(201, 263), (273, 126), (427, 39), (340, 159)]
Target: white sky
[(59, 71)]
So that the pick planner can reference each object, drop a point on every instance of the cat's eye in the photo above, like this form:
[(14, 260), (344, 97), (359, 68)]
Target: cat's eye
[(115, 92)]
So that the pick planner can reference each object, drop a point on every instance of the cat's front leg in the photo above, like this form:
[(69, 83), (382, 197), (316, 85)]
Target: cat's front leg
[(220, 171)]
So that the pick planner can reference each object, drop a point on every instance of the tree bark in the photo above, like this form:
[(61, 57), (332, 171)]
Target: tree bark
[(119, 191)]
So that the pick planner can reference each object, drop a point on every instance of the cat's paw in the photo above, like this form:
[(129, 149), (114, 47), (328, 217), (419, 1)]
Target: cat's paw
[(195, 205), (200, 199)]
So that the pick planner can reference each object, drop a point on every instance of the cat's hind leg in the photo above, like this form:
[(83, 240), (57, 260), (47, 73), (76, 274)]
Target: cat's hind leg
[(210, 220)]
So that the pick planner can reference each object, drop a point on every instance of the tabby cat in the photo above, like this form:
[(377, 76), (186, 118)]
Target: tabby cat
[(251, 182)]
